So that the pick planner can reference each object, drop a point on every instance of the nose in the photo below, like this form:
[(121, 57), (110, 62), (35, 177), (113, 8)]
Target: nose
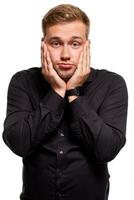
[(65, 53)]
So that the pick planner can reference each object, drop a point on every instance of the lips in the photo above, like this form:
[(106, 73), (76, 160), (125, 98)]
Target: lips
[(65, 65)]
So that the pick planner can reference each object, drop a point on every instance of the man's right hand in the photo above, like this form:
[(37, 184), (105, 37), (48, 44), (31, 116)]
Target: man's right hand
[(49, 73)]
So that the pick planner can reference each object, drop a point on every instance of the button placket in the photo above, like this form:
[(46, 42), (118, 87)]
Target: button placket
[(59, 173), (60, 163)]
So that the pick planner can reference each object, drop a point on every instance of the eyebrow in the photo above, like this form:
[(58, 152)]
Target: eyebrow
[(59, 38), (77, 37)]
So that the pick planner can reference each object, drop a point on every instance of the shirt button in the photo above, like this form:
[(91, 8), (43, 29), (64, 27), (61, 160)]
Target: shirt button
[(59, 194), (61, 152), (61, 134)]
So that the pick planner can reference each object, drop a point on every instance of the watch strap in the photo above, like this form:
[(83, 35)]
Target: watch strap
[(78, 91)]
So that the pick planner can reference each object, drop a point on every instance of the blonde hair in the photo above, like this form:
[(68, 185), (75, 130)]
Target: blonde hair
[(64, 13)]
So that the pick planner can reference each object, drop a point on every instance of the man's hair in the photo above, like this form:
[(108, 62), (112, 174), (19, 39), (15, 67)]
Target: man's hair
[(64, 13)]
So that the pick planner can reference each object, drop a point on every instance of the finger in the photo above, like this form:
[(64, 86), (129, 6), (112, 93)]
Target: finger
[(79, 67), (42, 52), (48, 60), (43, 57), (88, 54), (84, 65)]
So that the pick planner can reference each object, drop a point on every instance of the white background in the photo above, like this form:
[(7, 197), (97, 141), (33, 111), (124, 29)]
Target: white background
[(112, 40)]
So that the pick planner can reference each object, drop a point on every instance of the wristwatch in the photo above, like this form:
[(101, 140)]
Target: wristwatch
[(78, 91)]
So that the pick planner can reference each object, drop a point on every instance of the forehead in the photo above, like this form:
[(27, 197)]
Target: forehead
[(67, 30)]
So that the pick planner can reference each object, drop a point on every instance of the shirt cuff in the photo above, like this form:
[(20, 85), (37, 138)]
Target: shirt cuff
[(53, 102)]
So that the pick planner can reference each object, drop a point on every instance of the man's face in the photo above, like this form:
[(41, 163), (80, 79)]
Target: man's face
[(65, 42)]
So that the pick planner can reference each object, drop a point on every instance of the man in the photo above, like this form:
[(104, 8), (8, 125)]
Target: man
[(66, 119)]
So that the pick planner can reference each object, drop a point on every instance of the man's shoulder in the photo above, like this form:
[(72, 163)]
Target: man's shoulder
[(26, 77), (109, 76), (25, 72)]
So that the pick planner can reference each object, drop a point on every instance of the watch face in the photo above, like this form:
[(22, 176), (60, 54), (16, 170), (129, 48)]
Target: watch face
[(77, 91)]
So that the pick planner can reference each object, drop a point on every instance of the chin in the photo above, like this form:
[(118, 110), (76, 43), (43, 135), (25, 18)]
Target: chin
[(66, 77)]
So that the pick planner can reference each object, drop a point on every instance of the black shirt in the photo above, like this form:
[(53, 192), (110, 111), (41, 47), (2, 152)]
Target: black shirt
[(66, 146)]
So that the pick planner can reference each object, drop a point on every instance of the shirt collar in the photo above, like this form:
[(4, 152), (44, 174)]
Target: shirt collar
[(91, 75)]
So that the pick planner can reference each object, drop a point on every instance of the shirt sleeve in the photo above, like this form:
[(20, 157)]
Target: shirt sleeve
[(103, 132), (24, 127)]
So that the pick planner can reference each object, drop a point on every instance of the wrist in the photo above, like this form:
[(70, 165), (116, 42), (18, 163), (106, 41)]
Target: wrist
[(72, 98), (77, 91), (61, 92)]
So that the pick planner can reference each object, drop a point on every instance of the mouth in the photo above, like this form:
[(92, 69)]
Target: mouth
[(65, 66)]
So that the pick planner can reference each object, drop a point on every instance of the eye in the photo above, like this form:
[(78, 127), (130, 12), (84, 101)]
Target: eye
[(55, 44), (76, 44)]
